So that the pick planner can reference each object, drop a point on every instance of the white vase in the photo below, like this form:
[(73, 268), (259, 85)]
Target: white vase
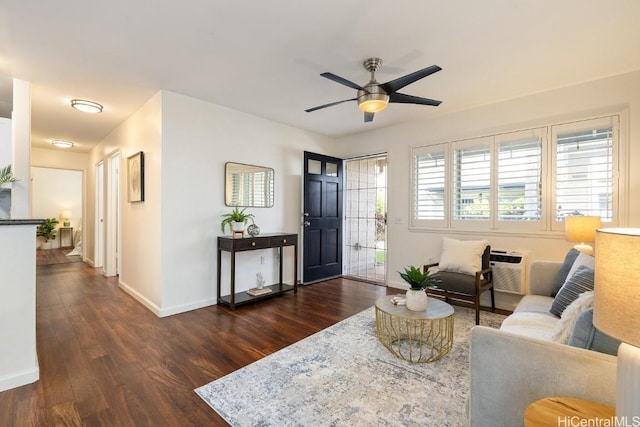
[(237, 226), (416, 300)]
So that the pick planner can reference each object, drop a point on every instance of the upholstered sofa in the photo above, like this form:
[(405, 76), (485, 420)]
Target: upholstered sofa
[(521, 363)]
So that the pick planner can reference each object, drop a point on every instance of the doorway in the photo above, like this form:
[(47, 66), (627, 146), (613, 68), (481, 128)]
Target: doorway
[(58, 194), (99, 225), (366, 218), (112, 215)]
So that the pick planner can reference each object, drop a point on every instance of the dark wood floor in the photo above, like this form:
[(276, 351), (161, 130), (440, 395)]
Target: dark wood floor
[(56, 256), (105, 360)]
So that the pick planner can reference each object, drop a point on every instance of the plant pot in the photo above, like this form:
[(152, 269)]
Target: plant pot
[(238, 226), (416, 300), (49, 244)]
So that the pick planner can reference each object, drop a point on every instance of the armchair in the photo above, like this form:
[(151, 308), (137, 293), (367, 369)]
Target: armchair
[(461, 286)]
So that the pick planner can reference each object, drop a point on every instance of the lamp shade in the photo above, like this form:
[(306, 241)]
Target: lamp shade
[(617, 283), (581, 229), (66, 215)]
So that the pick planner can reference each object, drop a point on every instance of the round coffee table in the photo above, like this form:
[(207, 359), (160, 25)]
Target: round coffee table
[(415, 336)]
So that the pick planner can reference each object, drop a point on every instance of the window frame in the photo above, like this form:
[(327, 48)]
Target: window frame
[(547, 133), (612, 121), (430, 223), (458, 223)]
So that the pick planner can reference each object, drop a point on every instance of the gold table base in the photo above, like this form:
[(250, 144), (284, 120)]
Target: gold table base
[(418, 337)]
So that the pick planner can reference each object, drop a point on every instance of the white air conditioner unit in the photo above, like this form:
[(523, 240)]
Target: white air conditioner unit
[(510, 271)]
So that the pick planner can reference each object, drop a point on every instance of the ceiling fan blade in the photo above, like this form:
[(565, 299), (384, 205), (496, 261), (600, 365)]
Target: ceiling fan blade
[(331, 104), (397, 84), (401, 98), (342, 81), (368, 117)]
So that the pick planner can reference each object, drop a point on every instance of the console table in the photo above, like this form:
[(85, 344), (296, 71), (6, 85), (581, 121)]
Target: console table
[(265, 241)]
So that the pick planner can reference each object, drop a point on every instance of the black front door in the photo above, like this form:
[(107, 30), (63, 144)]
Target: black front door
[(322, 253)]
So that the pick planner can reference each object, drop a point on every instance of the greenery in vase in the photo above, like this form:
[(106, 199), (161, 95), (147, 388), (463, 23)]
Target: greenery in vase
[(236, 215), (417, 279), (6, 176), (47, 229)]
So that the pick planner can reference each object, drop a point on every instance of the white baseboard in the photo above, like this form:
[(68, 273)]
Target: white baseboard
[(164, 312), (186, 307), (140, 298), (20, 379)]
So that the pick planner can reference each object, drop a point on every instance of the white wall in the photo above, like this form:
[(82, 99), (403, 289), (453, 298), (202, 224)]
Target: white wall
[(168, 259), (198, 138), (141, 237), (59, 159), (18, 358), (5, 142), (54, 191), (21, 140), (413, 247)]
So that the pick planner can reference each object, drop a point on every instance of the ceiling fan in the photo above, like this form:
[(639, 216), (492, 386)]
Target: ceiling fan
[(374, 97)]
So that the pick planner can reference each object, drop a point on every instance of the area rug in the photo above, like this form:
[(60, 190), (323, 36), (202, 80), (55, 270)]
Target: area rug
[(342, 375)]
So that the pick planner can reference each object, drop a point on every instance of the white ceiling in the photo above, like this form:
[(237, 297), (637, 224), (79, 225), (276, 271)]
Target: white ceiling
[(265, 57)]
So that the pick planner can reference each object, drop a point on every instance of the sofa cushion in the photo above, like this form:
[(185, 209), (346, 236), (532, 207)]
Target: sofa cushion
[(462, 256), (534, 325), (581, 281), (562, 274), (586, 335), (535, 304), (564, 327)]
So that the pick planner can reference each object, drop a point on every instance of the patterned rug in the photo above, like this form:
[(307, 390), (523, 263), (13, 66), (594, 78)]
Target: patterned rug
[(342, 375)]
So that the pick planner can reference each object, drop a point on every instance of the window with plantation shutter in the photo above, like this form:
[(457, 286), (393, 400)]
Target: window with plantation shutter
[(519, 176), (522, 181), (584, 169), (472, 180), (430, 180)]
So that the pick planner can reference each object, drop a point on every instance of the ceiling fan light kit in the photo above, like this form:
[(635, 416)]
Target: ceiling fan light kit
[(86, 106), (374, 97)]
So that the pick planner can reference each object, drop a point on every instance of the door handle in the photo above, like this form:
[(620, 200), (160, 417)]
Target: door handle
[(306, 223), (305, 214)]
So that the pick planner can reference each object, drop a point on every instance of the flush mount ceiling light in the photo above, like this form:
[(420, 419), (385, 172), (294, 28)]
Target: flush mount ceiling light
[(86, 106), (62, 144)]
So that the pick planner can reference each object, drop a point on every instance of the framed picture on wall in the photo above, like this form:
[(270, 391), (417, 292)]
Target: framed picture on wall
[(135, 183)]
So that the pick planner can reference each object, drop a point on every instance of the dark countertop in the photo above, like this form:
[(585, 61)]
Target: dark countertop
[(21, 221)]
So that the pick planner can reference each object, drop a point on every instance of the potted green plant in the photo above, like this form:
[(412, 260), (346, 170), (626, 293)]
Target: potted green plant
[(47, 230), (416, 298), (6, 177), (236, 220)]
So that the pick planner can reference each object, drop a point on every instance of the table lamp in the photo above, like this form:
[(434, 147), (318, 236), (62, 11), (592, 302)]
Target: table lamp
[(617, 309), (582, 229), (65, 216)]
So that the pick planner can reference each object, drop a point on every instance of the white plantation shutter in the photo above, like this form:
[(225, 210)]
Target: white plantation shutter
[(429, 176), (472, 180), (522, 181), (519, 176), (584, 169)]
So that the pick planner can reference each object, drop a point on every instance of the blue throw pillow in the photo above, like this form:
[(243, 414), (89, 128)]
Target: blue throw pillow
[(581, 281), (586, 335), (561, 276)]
